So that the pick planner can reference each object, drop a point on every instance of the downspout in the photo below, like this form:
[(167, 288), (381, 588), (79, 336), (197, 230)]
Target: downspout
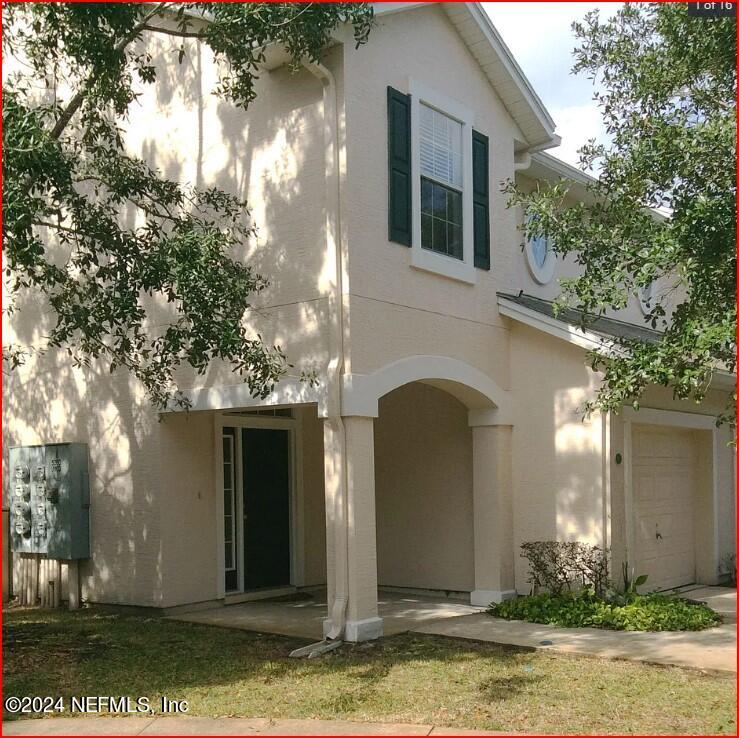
[(335, 371)]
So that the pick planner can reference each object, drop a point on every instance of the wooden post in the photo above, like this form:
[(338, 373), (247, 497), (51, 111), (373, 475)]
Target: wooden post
[(57, 583), (36, 563), (73, 582)]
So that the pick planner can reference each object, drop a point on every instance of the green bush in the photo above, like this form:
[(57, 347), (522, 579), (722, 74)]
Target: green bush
[(649, 612)]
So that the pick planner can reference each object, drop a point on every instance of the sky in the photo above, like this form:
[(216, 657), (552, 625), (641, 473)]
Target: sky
[(541, 40)]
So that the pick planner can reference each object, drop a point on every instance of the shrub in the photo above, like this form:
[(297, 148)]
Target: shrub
[(652, 612), (561, 566)]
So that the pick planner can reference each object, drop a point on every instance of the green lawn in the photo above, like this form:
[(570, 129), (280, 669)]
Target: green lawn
[(406, 678)]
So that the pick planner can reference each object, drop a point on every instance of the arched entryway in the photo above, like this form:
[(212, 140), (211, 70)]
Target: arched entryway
[(416, 392), (423, 491)]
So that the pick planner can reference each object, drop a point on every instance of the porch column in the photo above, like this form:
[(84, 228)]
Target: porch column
[(350, 528), (492, 483)]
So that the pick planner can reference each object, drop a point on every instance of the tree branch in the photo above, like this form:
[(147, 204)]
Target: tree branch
[(172, 32), (76, 101)]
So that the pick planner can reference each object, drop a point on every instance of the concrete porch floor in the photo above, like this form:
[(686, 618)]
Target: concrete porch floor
[(302, 615)]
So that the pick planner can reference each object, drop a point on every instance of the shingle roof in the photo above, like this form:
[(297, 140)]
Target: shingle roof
[(606, 327)]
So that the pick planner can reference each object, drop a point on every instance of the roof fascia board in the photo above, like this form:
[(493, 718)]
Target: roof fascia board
[(515, 71), (561, 168)]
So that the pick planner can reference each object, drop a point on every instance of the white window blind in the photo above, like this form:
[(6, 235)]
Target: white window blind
[(441, 147)]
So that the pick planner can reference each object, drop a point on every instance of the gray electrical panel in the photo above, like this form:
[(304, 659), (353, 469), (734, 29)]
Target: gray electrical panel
[(50, 500)]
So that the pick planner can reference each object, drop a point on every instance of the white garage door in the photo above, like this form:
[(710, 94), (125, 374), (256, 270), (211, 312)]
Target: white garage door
[(664, 481)]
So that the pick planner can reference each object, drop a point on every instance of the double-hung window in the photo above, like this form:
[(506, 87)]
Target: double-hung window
[(441, 166), (438, 178)]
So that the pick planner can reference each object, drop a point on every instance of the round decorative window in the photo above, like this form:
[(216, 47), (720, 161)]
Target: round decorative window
[(541, 258), (646, 297)]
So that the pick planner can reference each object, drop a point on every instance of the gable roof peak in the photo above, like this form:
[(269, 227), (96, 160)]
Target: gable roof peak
[(499, 65)]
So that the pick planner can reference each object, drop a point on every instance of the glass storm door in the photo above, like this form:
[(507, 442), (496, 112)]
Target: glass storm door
[(230, 511)]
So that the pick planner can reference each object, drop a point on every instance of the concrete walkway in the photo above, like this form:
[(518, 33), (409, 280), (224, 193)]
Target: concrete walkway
[(303, 615), (720, 599), (218, 726), (713, 649)]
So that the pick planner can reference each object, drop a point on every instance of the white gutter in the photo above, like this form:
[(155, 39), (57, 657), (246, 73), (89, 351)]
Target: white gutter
[(335, 372)]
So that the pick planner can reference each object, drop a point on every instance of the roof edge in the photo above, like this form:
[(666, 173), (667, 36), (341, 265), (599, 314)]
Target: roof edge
[(515, 71), (547, 138)]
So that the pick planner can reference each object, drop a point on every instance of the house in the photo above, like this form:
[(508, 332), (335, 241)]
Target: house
[(446, 426)]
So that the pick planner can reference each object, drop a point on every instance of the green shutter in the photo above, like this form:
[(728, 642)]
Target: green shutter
[(481, 199), (399, 166)]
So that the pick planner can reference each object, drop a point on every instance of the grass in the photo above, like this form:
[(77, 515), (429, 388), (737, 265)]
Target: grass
[(405, 678)]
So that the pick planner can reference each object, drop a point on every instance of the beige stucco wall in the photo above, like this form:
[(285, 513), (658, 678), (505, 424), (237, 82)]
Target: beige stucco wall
[(557, 455), (668, 288), (47, 401), (271, 155), (423, 488), (187, 492), (153, 487), (313, 515), (395, 310)]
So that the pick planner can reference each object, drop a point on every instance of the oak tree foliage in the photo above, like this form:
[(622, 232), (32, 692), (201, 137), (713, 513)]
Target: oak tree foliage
[(668, 102), (69, 179)]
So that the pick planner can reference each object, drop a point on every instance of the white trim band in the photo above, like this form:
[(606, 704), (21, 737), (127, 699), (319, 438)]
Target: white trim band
[(358, 630), (483, 597)]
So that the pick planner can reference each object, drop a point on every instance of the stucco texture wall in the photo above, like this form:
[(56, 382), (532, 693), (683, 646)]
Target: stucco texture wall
[(187, 492), (423, 488), (271, 155), (668, 288), (47, 401), (395, 310), (313, 515), (558, 460), (153, 534)]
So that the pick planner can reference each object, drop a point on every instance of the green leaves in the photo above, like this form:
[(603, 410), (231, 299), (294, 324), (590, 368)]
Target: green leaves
[(164, 286), (652, 612), (669, 105)]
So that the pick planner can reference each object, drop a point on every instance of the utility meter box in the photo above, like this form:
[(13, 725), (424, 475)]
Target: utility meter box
[(50, 500)]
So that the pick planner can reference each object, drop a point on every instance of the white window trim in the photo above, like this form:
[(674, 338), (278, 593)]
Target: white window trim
[(423, 259)]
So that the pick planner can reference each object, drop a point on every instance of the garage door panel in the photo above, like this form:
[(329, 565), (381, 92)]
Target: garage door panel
[(664, 478), (644, 482)]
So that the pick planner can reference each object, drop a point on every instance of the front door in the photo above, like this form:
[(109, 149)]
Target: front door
[(266, 507)]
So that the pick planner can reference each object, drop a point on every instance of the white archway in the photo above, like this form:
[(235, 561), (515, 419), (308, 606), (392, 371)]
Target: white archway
[(488, 404)]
